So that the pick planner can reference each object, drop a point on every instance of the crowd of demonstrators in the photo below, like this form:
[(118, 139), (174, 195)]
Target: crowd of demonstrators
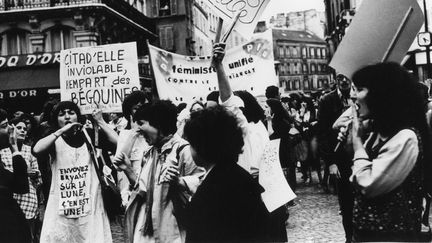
[(191, 173), (293, 119)]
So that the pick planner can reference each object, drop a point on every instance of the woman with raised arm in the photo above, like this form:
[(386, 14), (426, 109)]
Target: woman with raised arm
[(75, 211)]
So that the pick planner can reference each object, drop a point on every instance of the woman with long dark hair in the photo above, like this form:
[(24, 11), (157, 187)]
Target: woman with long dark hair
[(390, 154)]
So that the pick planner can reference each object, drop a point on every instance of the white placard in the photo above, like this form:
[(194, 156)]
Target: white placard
[(248, 67), (102, 75), (277, 191)]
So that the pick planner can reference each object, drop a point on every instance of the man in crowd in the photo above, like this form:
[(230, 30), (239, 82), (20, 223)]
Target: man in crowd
[(338, 162)]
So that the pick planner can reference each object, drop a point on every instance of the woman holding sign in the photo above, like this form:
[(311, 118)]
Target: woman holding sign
[(75, 210)]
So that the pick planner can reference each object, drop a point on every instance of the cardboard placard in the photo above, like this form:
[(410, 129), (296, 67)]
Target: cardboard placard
[(250, 13), (102, 75), (381, 31)]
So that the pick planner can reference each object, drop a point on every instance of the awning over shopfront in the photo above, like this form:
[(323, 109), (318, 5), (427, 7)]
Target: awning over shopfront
[(29, 78), (26, 89)]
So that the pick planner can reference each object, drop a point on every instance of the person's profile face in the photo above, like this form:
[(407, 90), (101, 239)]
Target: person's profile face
[(359, 96), (150, 133)]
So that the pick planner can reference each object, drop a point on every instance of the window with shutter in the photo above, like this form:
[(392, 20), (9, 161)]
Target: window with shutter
[(170, 37), (162, 37)]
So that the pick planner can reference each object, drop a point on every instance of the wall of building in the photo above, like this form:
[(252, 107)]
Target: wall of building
[(302, 65)]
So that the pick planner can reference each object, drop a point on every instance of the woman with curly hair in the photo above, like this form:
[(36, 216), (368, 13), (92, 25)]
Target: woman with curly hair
[(390, 152)]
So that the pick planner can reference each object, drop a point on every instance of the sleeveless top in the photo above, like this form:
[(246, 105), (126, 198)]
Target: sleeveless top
[(394, 216), (75, 212)]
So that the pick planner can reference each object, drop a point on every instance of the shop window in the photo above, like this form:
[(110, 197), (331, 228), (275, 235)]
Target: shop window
[(17, 43), (166, 37), (61, 39)]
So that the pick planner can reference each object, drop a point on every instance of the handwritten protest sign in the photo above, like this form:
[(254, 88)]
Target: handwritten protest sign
[(74, 185), (271, 178), (102, 75), (180, 78), (250, 12), (381, 31)]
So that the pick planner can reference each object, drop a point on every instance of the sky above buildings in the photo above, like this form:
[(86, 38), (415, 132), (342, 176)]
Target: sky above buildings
[(286, 6)]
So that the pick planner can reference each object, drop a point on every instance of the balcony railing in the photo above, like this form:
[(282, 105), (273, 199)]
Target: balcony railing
[(6, 5)]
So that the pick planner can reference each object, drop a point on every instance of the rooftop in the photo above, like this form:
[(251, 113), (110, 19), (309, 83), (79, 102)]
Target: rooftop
[(297, 36)]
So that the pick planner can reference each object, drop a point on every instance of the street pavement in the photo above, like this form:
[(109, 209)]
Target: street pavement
[(314, 218)]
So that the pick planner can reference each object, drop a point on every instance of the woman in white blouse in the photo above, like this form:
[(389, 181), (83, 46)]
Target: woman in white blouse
[(388, 159)]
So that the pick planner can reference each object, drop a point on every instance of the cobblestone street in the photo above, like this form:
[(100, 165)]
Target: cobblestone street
[(315, 217)]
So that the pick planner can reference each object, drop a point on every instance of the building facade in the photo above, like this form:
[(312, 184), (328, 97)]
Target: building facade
[(174, 24), (308, 20), (32, 33), (302, 60), (339, 14), (201, 40)]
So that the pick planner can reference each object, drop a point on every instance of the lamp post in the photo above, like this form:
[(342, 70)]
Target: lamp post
[(428, 68)]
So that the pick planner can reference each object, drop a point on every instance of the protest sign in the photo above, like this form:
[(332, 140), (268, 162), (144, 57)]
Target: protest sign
[(102, 75), (250, 12), (248, 67), (381, 31), (74, 186), (277, 191)]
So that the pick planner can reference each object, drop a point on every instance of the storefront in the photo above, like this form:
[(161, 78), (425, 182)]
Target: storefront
[(28, 81)]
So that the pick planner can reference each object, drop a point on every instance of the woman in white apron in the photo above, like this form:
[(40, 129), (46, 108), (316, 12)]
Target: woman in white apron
[(75, 210)]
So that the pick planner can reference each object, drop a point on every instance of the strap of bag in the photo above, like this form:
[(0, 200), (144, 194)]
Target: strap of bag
[(92, 151)]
